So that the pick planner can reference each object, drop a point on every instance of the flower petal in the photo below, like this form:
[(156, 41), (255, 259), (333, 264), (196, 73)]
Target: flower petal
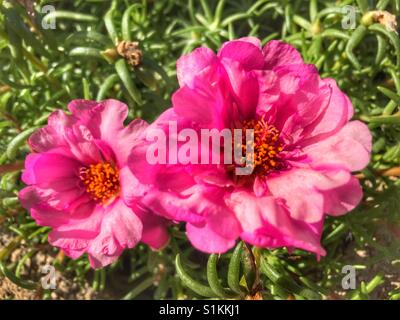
[(244, 86), (155, 233), (120, 229), (266, 223), (301, 189), (189, 65), (48, 167), (205, 239), (277, 53), (349, 149), (343, 199), (246, 51)]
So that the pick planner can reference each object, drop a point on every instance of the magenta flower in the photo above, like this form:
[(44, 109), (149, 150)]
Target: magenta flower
[(80, 186), (305, 148)]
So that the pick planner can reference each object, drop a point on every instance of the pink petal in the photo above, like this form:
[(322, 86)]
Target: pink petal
[(98, 260), (301, 189), (245, 51), (69, 240), (334, 117), (45, 139), (120, 228), (82, 144), (69, 134), (40, 211), (277, 53), (123, 223), (131, 188), (86, 218), (190, 206), (51, 136), (105, 120), (73, 254), (48, 167), (205, 103), (127, 138), (51, 197), (253, 40), (112, 116), (207, 240), (343, 199), (244, 86), (79, 231), (155, 233), (188, 66), (266, 223), (350, 148), (269, 93), (300, 110)]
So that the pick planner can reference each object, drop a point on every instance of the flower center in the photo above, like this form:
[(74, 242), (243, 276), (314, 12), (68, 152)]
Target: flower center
[(267, 147), (101, 181)]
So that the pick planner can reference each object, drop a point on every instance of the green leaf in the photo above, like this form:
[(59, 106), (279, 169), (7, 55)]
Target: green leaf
[(189, 282), (249, 268), (86, 52), (390, 94), (19, 282), (355, 39), (147, 283), (106, 86), (213, 279), (68, 15), (17, 142), (234, 269), (109, 23), (125, 76), (125, 25), (391, 35)]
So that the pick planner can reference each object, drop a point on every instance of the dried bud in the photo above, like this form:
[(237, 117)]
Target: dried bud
[(385, 18), (130, 52)]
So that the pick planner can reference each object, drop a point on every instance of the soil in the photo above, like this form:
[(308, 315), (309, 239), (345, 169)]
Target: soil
[(66, 289)]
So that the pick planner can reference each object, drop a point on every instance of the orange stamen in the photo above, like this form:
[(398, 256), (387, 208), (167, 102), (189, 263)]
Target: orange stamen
[(267, 146), (101, 181)]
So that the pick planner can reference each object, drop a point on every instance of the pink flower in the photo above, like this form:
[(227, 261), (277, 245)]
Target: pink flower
[(305, 149), (80, 186)]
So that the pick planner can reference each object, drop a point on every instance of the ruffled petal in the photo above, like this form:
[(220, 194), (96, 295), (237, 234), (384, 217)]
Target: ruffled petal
[(277, 53), (205, 239), (244, 86), (343, 199), (349, 149), (301, 190), (53, 135), (155, 233), (189, 65), (336, 114), (246, 51), (45, 168), (266, 223), (206, 102), (120, 228)]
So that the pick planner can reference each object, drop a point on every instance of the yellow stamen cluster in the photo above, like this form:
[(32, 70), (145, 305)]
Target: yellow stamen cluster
[(101, 181), (267, 146)]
